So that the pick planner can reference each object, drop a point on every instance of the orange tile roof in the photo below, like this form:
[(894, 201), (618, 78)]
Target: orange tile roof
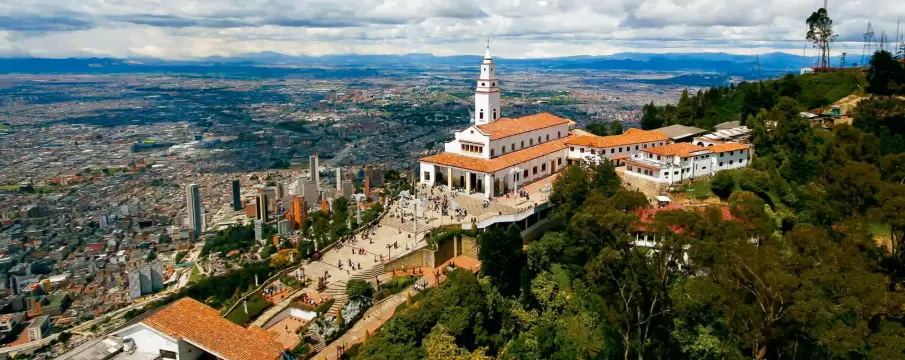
[(201, 325), (677, 149), (632, 136), (726, 147), (506, 127), (500, 162)]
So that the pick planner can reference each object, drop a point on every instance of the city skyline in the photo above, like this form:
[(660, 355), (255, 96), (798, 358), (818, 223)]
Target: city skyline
[(540, 29)]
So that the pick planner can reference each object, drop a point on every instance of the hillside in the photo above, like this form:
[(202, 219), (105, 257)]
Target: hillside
[(709, 107)]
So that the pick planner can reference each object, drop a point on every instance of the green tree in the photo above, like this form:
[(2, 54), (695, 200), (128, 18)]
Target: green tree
[(820, 32), (651, 118), (570, 190), (356, 288), (615, 127), (605, 179), (598, 128), (885, 75), (502, 258), (722, 184)]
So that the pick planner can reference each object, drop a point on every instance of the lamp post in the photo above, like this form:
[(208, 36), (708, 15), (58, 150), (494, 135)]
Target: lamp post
[(515, 174), (389, 247)]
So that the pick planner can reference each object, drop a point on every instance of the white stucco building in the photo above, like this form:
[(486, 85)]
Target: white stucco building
[(682, 161), (188, 329), (498, 154)]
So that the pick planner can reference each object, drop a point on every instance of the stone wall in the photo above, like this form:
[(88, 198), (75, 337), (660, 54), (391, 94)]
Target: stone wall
[(417, 258), (468, 246)]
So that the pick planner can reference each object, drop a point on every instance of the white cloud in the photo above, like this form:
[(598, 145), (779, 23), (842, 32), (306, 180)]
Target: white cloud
[(184, 29)]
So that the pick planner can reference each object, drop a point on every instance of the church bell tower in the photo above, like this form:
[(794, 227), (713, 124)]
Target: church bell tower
[(487, 93)]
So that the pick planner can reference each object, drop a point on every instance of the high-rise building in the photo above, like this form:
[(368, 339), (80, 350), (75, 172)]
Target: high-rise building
[(283, 227), (339, 180), (348, 189), (261, 210), (259, 231), (281, 191), (299, 211), (145, 279), (237, 196), (367, 187), (314, 170), (193, 208), (309, 191)]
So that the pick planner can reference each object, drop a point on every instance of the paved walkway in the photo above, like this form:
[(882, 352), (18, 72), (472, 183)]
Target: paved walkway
[(373, 318)]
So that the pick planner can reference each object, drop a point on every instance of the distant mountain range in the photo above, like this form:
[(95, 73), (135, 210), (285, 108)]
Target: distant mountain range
[(276, 64)]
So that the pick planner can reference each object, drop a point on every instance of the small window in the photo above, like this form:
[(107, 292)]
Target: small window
[(658, 157), (427, 175), (481, 114), (636, 147), (504, 149), (491, 152), (620, 149), (731, 153), (523, 144), (530, 141), (534, 170), (548, 137), (581, 150), (559, 161), (494, 114), (483, 84), (526, 173), (493, 84), (721, 163), (593, 151), (571, 148), (539, 140), (558, 134), (730, 162), (612, 151), (721, 154), (543, 167), (628, 167), (676, 172), (645, 146)]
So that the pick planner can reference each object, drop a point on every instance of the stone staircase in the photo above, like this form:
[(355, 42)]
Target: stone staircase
[(319, 343), (337, 290)]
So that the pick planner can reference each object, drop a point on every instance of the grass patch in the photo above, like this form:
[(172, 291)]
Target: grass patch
[(195, 276), (879, 229), (256, 305), (699, 190), (415, 299), (398, 284)]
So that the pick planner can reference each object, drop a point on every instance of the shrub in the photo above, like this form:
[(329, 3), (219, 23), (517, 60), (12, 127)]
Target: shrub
[(356, 288)]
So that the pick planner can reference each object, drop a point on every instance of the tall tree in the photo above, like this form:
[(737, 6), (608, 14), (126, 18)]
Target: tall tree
[(885, 75), (615, 127), (598, 128), (502, 257), (820, 32), (652, 119)]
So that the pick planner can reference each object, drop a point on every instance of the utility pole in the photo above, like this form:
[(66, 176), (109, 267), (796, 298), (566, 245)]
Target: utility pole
[(842, 61)]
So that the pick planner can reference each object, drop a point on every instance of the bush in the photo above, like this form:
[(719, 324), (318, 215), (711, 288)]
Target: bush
[(398, 284), (356, 288), (722, 184), (322, 308)]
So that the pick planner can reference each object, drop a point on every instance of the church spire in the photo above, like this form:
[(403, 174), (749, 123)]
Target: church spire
[(487, 93)]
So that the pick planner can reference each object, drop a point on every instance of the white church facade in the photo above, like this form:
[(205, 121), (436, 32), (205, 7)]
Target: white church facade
[(497, 154)]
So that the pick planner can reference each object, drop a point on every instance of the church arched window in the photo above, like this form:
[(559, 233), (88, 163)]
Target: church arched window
[(481, 114), (493, 84), (483, 84), (494, 114)]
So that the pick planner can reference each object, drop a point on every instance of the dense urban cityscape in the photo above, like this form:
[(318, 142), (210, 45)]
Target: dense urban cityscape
[(277, 207)]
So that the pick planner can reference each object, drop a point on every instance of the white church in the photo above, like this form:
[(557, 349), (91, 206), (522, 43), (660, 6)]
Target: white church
[(497, 153)]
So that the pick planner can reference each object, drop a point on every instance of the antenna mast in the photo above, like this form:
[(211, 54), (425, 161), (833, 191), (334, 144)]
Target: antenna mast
[(867, 53)]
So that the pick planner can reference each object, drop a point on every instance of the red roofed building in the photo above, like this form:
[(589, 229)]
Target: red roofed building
[(674, 163), (188, 329), (498, 154)]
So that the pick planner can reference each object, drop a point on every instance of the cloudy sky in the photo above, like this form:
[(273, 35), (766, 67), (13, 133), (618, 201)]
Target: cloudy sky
[(186, 29)]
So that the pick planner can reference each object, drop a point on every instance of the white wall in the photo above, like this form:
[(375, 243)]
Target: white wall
[(514, 143), (148, 340), (430, 169), (470, 135), (739, 159), (613, 151), (188, 351)]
